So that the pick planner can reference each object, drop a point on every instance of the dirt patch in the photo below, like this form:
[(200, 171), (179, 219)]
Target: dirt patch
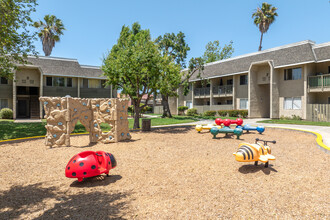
[(168, 174)]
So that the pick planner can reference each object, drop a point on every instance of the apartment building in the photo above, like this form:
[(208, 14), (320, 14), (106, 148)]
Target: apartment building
[(280, 81), (50, 76)]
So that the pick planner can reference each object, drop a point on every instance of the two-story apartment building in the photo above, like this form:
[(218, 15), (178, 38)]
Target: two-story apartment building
[(276, 82), (50, 76)]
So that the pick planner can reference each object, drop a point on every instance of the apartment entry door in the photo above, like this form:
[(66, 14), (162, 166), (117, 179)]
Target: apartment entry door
[(22, 108)]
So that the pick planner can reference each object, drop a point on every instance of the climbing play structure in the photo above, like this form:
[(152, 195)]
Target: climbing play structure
[(236, 131), (89, 164), (254, 152), (63, 113)]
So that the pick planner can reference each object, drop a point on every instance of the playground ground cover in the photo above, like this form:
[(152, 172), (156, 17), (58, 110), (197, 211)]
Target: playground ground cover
[(168, 174)]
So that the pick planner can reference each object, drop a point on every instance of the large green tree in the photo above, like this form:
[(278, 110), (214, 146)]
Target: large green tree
[(133, 65), (50, 31), (263, 18), (16, 41), (174, 50), (214, 52)]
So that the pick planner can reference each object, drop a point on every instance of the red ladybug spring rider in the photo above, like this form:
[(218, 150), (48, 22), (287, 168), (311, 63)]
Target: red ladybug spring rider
[(90, 163)]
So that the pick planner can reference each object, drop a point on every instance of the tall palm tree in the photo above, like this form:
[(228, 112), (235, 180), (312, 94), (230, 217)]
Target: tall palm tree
[(50, 31), (263, 18)]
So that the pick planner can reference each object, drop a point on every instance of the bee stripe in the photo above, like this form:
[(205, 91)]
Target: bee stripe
[(242, 153), (248, 153), (246, 147), (263, 153)]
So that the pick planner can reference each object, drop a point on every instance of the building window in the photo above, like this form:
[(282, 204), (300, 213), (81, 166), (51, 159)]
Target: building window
[(328, 100), (49, 81), (292, 74), (103, 84), (229, 102), (4, 80), (243, 80), (85, 83), (243, 104), (68, 82), (292, 103), (229, 81), (189, 104), (3, 103), (59, 81), (329, 69)]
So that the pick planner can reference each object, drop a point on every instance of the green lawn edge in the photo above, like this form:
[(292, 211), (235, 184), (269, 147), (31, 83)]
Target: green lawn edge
[(294, 122)]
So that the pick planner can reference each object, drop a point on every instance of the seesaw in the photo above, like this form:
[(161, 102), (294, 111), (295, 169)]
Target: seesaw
[(249, 128), (199, 128)]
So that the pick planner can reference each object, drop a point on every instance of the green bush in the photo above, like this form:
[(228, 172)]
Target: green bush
[(233, 113), (6, 113), (210, 113), (192, 112), (222, 113), (182, 108)]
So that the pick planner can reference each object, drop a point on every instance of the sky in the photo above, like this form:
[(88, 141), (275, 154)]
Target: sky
[(93, 27)]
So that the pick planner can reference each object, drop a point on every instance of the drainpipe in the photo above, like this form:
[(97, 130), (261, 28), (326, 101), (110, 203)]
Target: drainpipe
[(78, 87), (41, 92), (14, 96)]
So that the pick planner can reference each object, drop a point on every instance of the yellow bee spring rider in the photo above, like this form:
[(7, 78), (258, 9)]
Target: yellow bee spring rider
[(254, 152)]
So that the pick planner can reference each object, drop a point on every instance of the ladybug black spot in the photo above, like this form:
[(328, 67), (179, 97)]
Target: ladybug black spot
[(73, 174), (109, 162), (85, 173), (68, 168), (81, 164), (74, 161), (93, 167)]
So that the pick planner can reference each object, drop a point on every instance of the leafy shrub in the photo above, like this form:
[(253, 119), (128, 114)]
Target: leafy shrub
[(130, 108), (182, 108), (296, 117), (233, 113), (192, 112), (210, 113), (222, 113), (6, 113)]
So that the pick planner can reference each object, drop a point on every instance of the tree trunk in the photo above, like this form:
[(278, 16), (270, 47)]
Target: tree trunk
[(166, 107), (262, 33), (136, 115)]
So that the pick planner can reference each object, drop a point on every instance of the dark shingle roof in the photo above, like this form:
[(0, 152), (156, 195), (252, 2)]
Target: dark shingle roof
[(301, 52), (322, 51), (64, 67)]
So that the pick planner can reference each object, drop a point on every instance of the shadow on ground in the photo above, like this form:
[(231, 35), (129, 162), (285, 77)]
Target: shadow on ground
[(101, 180), (245, 169), (34, 201), (171, 130)]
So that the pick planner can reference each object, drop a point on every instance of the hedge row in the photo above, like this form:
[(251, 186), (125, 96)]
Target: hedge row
[(233, 113)]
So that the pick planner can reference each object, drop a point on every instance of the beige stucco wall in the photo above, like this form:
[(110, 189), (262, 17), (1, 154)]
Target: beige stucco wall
[(291, 88), (319, 97), (28, 77), (323, 67), (259, 94), (263, 74)]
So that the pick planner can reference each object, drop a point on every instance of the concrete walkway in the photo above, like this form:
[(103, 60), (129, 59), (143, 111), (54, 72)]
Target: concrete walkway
[(322, 130), (27, 120)]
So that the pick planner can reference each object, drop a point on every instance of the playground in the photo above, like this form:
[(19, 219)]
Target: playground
[(172, 173)]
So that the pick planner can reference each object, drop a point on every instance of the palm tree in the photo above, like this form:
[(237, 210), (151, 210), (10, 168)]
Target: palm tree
[(50, 31), (263, 18)]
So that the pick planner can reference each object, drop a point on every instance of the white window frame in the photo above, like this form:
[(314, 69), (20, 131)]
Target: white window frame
[(292, 103), (246, 103)]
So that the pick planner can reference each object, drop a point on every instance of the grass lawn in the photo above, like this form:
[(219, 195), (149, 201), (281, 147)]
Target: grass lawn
[(11, 130), (296, 122)]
